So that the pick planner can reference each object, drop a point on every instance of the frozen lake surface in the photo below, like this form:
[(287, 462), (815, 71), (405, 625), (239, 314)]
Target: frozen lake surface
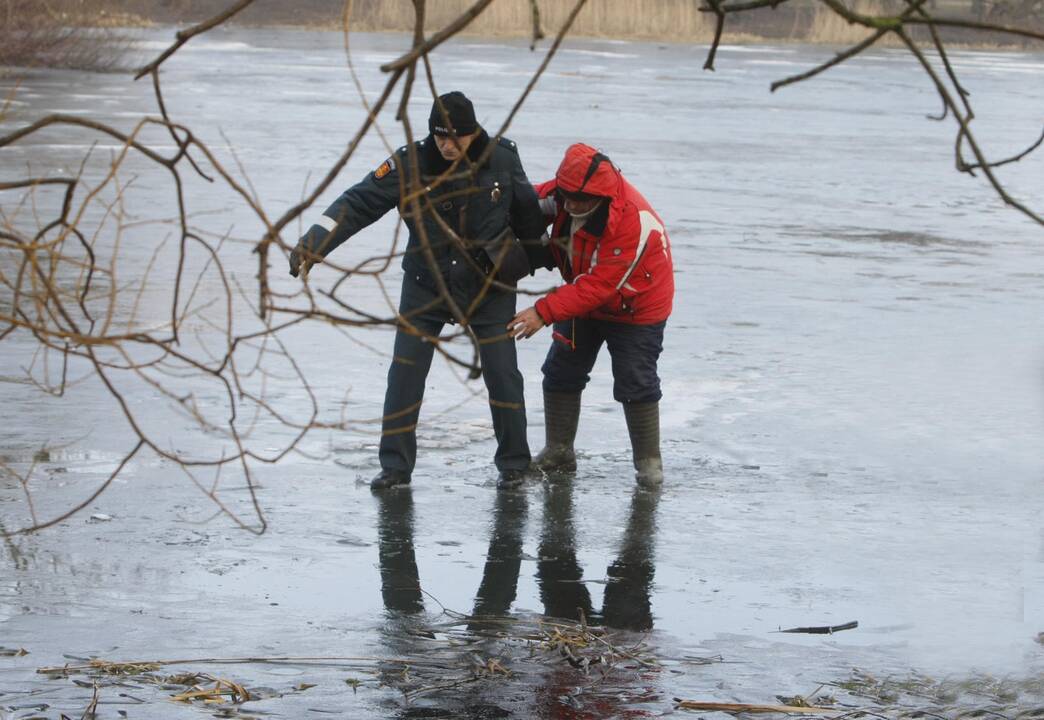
[(852, 423)]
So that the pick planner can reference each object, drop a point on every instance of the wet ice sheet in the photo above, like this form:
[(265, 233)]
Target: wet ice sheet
[(852, 418)]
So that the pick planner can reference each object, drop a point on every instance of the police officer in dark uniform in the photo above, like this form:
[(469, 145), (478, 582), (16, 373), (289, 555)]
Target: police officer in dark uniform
[(477, 205)]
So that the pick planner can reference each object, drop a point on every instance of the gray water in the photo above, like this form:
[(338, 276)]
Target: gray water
[(852, 419)]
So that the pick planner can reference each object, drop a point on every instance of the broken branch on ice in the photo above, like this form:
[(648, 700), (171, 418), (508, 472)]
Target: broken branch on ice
[(822, 629)]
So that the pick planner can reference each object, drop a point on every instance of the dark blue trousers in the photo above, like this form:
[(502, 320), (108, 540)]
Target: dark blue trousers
[(634, 350), (409, 371)]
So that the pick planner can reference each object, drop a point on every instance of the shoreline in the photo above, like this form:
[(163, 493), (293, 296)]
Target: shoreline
[(727, 38), (660, 22)]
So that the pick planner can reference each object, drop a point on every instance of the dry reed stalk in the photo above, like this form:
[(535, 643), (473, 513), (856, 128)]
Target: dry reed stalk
[(827, 27), (659, 19), (223, 691), (142, 666), (61, 34), (752, 708)]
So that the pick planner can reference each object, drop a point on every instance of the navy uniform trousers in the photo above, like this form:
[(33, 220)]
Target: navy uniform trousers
[(409, 371)]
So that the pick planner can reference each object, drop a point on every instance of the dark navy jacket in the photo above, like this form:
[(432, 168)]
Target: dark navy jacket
[(479, 204)]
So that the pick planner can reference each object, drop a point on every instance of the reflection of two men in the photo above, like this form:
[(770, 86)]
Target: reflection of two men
[(625, 604)]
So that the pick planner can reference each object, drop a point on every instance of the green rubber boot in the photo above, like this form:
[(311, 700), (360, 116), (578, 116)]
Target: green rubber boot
[(561, 417), (643, 425)]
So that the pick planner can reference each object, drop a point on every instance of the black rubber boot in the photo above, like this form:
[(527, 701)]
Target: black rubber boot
[(561, 416), (387, 478), (510, 479), (643, 424)]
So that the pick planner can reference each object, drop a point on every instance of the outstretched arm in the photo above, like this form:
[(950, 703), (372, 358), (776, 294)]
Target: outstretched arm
[(359, 206)]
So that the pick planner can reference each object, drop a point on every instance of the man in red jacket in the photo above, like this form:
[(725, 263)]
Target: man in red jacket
[(614, 254)]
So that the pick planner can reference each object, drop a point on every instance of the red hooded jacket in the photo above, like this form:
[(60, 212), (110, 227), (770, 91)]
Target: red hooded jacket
[(620, 268)]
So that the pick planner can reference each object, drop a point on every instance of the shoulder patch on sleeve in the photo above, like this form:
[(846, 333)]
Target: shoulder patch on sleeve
[(509, 144), (383, 169)]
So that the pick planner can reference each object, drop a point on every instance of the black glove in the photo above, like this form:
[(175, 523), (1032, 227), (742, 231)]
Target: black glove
[(295, 261), (511, 256), (304, 255)]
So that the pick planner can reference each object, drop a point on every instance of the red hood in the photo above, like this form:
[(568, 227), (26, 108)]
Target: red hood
[(575, 172)]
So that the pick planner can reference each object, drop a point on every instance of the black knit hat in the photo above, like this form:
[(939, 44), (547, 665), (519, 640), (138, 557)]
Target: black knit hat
[(459, 111)]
